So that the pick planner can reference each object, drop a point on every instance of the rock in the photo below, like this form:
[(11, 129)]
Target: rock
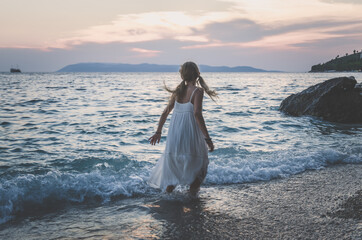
[(358, 86), (335, 100)]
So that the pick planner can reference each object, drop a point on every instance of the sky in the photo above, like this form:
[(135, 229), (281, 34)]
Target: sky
[(286, 35)]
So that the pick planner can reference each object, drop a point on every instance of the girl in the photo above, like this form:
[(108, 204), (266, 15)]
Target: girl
[(185, 159)]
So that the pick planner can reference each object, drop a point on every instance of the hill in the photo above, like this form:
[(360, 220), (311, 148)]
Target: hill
[(145, 67), (351, 62)]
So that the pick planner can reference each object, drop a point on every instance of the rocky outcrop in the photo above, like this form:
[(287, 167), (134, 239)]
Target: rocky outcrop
[(335, 100)]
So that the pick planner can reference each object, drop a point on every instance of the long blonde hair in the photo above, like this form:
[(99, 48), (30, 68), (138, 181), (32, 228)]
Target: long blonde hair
[(189, 72)]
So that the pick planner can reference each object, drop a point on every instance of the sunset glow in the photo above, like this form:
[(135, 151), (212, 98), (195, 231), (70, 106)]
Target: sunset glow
[(236, 25)]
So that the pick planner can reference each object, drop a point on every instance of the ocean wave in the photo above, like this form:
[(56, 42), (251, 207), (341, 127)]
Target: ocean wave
[(104, 181), (32, 194), (240, 168)]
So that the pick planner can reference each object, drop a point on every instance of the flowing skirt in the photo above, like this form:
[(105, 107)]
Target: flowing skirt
[(186, 155)]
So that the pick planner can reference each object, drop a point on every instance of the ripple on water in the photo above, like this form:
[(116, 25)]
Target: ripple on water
[(5, 124), (57, 88), (239, 113), (40, 151), (15, 150), (272, 122), (29, 124), (8, 109), (33, 101), (230, 129), (28, 129), (290, 125)]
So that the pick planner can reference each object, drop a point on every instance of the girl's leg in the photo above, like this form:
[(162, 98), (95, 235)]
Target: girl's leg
[(195, 186), (170, 188)]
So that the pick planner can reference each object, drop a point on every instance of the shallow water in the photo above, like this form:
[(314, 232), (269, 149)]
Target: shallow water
[(79, 140)]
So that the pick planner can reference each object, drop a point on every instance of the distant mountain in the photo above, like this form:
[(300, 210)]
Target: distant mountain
[(145, 67), (352, 62)]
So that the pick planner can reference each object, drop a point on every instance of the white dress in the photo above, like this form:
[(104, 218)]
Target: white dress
[(186, 154)]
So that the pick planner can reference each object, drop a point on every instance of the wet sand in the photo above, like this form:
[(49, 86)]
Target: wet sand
[(319, 204), (323, 204)]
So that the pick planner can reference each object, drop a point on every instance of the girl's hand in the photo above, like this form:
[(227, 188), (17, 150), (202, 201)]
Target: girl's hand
[(210, 144), (155, 138)]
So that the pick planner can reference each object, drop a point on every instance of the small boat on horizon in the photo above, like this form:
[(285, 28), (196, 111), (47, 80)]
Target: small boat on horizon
[(15, 70)]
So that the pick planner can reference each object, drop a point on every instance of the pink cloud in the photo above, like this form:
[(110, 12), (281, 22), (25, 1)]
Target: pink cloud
[(145, 52)]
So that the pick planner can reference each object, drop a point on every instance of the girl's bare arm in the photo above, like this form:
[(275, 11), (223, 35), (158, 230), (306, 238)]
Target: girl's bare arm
[(199, 95), (157, 136)]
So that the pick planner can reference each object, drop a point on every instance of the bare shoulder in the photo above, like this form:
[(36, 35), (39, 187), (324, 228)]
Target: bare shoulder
[(199, 95), (199, 90)]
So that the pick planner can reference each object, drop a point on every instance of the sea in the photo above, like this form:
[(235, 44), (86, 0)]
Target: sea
[(75, 156)]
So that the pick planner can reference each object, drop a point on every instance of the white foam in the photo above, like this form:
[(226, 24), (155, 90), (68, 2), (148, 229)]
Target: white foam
[(102, 184), (264, 167), (23, 191)]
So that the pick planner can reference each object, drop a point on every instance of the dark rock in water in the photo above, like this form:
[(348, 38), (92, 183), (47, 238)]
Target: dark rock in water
[(335, 100)]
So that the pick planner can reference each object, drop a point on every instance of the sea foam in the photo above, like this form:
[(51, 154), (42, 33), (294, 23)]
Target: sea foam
[(226, 169), (28, 194)]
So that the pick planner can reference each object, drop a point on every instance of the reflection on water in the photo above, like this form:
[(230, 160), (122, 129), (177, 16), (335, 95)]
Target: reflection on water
[(188, 218), (182, 217)]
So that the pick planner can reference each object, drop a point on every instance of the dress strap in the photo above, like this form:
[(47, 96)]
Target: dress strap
[(192, 94)]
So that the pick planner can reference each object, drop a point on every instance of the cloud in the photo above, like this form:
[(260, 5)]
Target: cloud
[(343, 1), (247, 33), (262, 23), (237, 30), (145, 52), (214, 29), (144, 27), (311, 34), (141, 50), (41, 23)]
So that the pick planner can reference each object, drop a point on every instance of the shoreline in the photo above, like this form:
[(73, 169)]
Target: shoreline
[(312, 205), (316, 204)]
